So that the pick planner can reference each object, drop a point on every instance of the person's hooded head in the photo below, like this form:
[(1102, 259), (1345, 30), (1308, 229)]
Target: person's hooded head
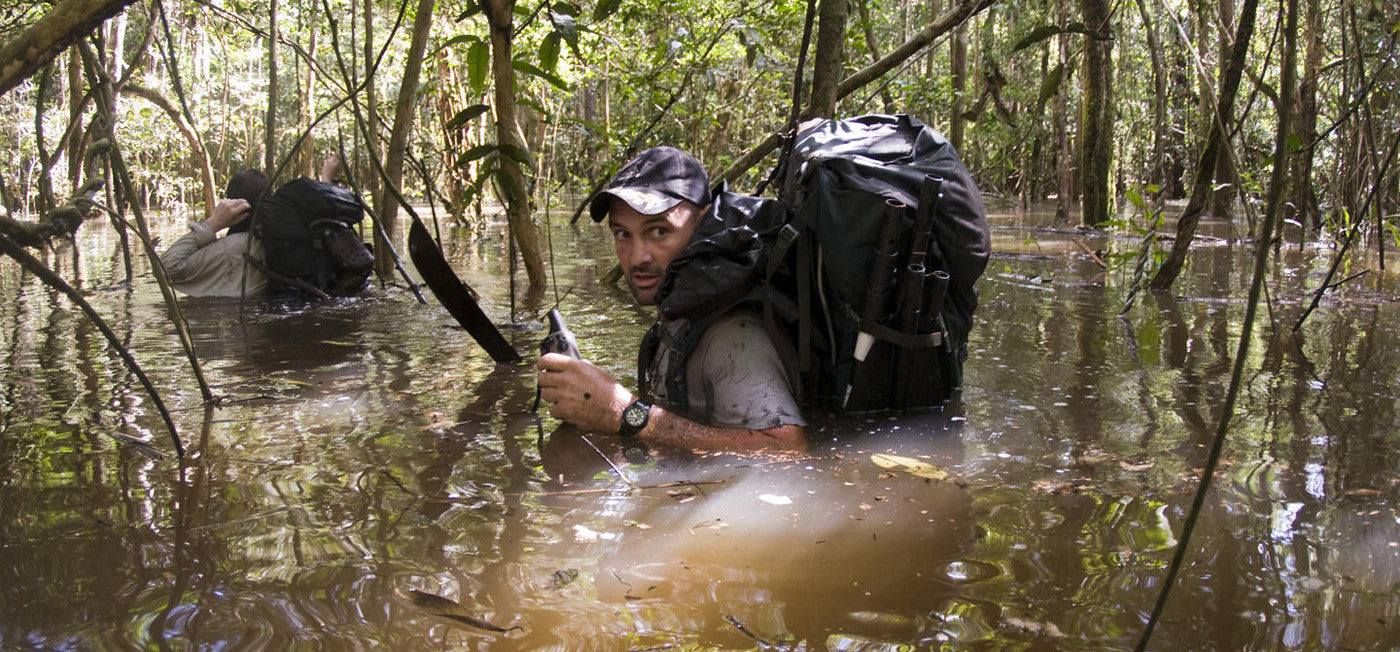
[(250, 186)]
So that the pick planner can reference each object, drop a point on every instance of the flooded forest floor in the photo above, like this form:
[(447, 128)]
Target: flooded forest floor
[(369, 477)]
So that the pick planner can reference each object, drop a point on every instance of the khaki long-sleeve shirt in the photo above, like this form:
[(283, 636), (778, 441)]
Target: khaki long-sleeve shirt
[(201, 264)]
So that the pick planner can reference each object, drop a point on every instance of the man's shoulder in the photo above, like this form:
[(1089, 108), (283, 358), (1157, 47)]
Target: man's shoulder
[(741, 324)]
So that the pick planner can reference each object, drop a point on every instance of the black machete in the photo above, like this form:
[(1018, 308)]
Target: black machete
[(454, 294)]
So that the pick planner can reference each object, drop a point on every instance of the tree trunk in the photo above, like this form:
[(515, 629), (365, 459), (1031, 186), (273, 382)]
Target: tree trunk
[(1223, 191), (46, 199), (945, 23), (829, 58), (270, 122), (75, 120), (1288, 86), (116, 45), (1156, 171), (1205, 170), (398, 138), (1064, 168), (306, 158), (1304, 202), (874, 46), (41, 42), (371, 180), (512, 179), (957, 61), (1096, 116)]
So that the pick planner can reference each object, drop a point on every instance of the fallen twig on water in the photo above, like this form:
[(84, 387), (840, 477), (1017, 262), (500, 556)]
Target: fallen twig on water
[(616, 470), (682, 483), (740, 626), (1092, 254)]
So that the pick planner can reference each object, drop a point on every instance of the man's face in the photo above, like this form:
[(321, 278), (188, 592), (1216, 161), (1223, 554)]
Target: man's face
[(646, 244)]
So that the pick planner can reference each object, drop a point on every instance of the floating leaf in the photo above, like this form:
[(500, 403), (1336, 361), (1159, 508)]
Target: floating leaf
[(709, 525), (773, 499), (585, 534), (911, 466), (564, 577), (1137, 467), (448, 608)]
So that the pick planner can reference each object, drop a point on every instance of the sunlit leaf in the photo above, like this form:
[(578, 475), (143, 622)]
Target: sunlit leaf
[(565, 25), (1050, 86), (549, 52), (605, 8), (517, 154), (471, 9), (910, 465), (466, 115), (459, 40), (530, 69), (525, 101), (474, 154), (1037, 35), (478, 66), (509, 187)]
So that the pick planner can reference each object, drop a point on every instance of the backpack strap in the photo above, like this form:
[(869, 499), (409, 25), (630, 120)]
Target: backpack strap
[(675, 380), (789, 235)]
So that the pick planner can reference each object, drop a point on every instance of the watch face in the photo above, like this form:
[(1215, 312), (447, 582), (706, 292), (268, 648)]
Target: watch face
[(634, 415)]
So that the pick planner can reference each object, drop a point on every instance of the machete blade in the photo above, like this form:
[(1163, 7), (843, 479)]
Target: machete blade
[(454, 295)]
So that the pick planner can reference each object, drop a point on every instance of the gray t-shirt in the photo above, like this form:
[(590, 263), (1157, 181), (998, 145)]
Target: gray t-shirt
[(734, 378)]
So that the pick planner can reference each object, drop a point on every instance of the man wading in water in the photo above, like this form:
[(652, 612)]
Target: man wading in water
[(733, 391)]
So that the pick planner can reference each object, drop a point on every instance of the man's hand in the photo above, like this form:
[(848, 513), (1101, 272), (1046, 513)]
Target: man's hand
[(331, 168), (226, 213), (581, 393)]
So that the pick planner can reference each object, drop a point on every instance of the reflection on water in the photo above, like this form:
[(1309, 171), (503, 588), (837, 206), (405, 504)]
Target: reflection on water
[(366, 448)]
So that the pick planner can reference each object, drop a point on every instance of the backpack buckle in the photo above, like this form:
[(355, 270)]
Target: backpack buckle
[(787, 234)]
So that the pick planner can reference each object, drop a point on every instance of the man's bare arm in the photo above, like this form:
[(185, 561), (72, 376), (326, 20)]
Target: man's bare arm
[(586, 396)]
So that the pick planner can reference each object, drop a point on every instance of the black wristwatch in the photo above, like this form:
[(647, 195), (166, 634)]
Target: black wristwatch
[(634, 418)]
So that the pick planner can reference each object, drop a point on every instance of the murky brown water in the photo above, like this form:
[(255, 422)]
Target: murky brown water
[(368, 449)]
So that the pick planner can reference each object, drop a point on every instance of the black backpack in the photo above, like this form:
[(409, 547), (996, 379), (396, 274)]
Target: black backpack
[(837, 256), (307, 236), (887, 239)]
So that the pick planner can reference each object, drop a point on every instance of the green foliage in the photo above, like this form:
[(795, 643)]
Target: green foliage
[(1044, 32), (466, 115), (595, 79)]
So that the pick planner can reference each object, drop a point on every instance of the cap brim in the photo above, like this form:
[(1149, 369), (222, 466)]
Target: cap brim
[(644, 201)]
